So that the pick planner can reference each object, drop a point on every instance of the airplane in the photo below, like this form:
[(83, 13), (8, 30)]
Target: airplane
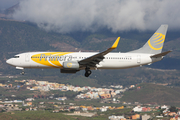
[(72, 62)]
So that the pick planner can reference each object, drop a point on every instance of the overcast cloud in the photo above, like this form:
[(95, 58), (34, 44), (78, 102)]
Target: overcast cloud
[(88, 15)]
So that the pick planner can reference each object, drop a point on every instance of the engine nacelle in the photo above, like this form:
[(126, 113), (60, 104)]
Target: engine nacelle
[(71, 65)]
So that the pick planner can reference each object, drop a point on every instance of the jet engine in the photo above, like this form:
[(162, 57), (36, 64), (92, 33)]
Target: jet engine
[(71, 65)]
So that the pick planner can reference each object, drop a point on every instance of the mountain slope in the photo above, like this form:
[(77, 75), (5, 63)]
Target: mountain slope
[(23, 37), (152, 93)]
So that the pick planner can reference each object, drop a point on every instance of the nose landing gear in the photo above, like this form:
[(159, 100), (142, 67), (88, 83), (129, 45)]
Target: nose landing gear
[(88, 72), (21, 68)]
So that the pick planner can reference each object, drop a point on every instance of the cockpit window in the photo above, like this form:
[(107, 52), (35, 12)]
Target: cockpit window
[(16, 56)]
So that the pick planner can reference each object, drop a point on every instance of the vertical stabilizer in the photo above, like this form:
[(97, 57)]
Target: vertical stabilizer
[(155, 44)]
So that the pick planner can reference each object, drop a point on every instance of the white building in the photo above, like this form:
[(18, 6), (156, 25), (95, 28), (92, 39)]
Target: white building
[(103, 109), (145, 117), (137, 109), (164, 107), (113, 117), (29, 99)]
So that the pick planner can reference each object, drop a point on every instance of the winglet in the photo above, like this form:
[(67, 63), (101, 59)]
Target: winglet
[(115, 43)]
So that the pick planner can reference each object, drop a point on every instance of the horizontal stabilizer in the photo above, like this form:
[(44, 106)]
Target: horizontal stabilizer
[(161, 54)]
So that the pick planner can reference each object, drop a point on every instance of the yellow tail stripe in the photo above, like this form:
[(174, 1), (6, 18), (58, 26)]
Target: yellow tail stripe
[(154, 47)]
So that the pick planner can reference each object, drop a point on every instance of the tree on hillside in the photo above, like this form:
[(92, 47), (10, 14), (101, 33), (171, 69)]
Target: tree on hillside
[(173, 109)]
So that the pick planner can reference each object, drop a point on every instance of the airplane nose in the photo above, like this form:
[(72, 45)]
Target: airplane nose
[(9, 61)]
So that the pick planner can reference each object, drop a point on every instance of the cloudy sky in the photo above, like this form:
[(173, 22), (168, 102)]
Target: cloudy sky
[(89, 15)]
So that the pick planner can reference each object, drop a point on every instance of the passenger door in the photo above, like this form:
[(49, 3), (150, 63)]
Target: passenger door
[(27, 57)]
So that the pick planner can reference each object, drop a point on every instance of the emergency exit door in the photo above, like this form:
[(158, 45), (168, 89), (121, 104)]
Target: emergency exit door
[(27, 57), (139, 59)]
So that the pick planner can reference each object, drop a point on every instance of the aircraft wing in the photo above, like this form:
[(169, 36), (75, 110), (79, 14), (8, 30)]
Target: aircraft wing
[(95, 59)]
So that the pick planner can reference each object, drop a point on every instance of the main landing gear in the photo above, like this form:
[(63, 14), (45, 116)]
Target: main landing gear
[(88, 72), (22, 73)]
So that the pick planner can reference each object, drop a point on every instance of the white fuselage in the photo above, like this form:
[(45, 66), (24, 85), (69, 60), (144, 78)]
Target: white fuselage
[(56, 59)]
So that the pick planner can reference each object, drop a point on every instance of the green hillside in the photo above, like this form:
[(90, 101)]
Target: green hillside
[(152, 93), (39, 115), (23, 37)]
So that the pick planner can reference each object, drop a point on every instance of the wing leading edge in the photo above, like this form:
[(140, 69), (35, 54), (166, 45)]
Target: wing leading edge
[(95, 59)]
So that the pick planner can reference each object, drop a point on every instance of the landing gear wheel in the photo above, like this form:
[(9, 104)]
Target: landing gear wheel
[(22, 73), (87, 73)]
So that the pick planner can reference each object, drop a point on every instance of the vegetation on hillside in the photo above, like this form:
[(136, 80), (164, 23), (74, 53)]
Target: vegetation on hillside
[(152, 93)]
